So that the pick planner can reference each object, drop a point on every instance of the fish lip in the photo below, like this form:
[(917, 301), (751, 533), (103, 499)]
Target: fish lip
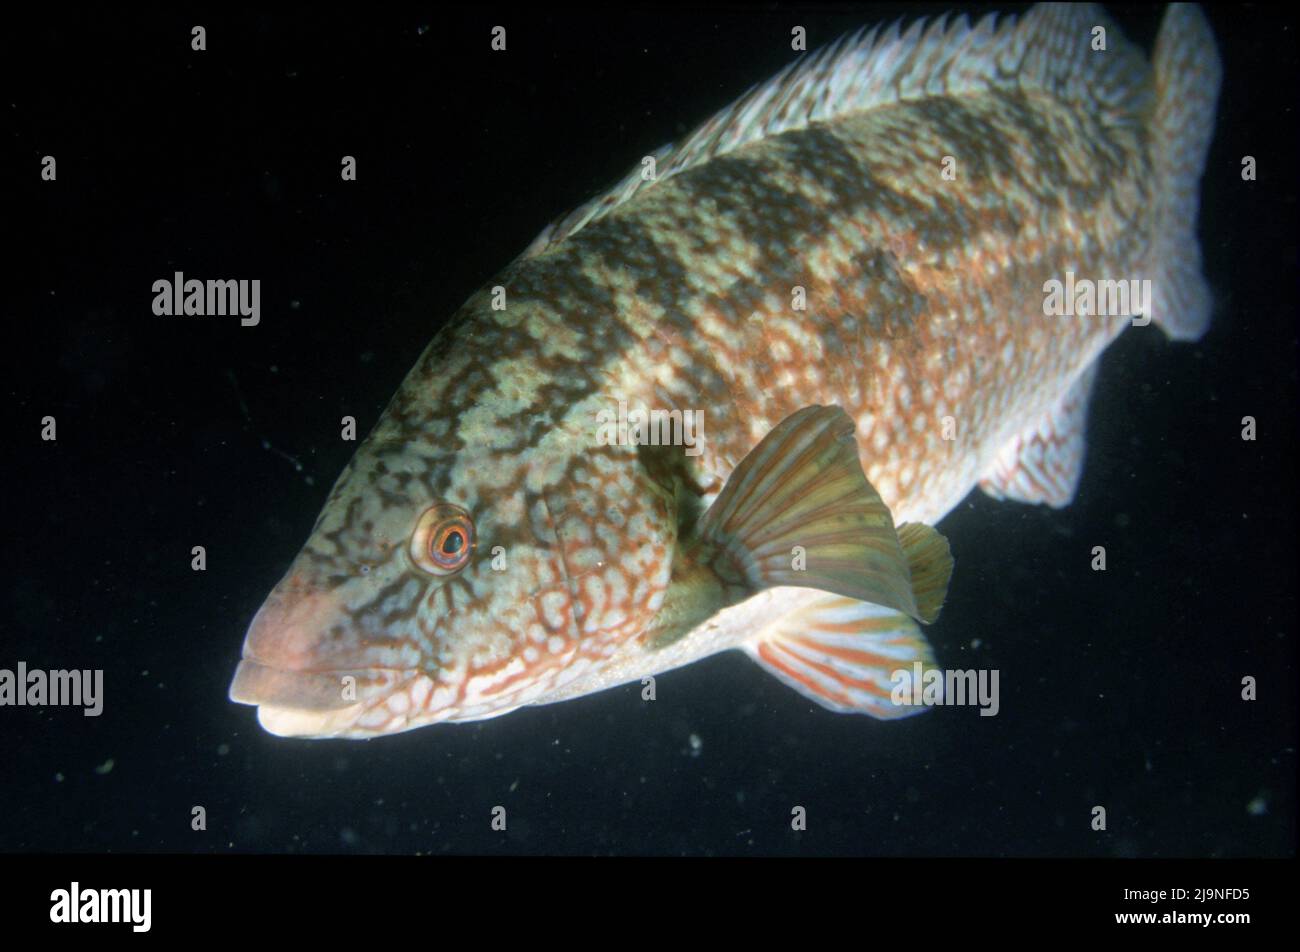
[(309, 725), (256, 682)]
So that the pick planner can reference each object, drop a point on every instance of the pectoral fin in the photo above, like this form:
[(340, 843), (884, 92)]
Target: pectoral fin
[(799, 511), (846, 655)]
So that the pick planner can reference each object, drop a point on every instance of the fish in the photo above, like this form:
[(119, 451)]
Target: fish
[(858, 285)]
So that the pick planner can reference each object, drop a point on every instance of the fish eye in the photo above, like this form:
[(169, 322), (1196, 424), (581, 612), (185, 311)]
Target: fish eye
[(443, 540)]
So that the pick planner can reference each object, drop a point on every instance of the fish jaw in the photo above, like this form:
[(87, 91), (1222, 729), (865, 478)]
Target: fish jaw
[(297, 691)]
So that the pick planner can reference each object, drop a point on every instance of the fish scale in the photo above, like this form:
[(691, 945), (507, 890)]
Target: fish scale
[(919, 363)]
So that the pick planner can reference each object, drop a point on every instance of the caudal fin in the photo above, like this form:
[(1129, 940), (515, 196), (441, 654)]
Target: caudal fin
[(1187, 77)]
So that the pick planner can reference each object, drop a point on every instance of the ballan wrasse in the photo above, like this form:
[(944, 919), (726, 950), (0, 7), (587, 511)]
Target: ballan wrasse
[(846, 274)]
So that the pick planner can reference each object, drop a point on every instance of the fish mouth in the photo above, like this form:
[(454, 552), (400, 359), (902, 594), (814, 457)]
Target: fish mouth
[(298, 693), (299, 703)]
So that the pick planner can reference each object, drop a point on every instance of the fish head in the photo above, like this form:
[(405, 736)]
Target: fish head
[(450, 587)]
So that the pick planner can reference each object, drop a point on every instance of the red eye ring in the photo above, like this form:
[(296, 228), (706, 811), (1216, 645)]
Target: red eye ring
[(443, 540)]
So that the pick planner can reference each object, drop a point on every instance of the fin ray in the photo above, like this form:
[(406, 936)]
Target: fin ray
[(843, 654), (929, 562)]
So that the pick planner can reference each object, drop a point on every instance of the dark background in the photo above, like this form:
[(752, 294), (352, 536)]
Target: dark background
[(1119, 689)]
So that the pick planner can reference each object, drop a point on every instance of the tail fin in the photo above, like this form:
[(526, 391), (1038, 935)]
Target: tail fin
[(1187, 76)]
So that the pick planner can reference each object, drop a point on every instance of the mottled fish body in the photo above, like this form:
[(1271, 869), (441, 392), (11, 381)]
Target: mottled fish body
[(846, 277)]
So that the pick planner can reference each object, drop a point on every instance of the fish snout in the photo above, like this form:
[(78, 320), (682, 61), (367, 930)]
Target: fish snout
[(287, 631), (284, 672)]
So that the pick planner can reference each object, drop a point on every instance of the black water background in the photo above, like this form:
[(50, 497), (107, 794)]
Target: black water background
[(1119, 689)]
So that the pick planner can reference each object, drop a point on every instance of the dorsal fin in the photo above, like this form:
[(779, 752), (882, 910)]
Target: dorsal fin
[(1047, 50)]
